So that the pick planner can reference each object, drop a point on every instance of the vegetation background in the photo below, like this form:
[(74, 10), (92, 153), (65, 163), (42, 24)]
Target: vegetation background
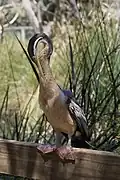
[(85, 60)]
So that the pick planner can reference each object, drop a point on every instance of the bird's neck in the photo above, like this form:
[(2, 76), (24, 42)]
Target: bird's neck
[(48, 86), (47, 81), (45, 73), (49, 91)]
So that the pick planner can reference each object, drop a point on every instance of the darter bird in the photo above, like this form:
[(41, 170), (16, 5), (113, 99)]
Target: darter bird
[(59, 106)]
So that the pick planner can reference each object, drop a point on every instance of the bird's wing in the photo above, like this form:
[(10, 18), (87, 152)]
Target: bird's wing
[(77, 114)]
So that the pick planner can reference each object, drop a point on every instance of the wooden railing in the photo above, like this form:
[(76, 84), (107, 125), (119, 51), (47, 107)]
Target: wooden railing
[(23, 159)]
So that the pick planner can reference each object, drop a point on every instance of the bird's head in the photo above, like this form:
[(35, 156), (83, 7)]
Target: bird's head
[(40, 45)]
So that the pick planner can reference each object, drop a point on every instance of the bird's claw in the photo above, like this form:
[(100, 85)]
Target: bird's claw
[(65, 154), (45, 149)]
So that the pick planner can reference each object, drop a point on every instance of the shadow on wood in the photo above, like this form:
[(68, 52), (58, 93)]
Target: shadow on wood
[(22, 159)]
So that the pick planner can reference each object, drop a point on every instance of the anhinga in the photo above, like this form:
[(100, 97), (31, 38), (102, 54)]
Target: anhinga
[(61, 110)]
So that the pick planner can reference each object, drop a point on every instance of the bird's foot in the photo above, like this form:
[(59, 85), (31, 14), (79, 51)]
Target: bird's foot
[(46, 151), (65, 154)]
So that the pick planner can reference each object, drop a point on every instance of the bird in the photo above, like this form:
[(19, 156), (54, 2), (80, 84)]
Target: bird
[(59, 106)]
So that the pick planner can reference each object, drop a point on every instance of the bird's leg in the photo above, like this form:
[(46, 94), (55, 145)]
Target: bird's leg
[(69, 141), (58, 139), (65, 153)]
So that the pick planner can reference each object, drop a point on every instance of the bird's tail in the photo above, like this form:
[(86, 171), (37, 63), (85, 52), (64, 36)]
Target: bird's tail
[(80, 142)]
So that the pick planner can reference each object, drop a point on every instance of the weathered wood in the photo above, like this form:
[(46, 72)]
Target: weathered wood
[(22, 159)]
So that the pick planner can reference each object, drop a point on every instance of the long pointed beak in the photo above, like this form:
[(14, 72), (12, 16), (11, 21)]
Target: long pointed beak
[(37, 58), (30, 60)]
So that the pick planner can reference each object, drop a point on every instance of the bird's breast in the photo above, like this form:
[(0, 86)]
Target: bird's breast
[(60, 119), (57, 113)]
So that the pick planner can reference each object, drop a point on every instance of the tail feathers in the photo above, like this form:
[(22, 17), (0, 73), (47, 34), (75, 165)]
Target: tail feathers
[(79, 142)]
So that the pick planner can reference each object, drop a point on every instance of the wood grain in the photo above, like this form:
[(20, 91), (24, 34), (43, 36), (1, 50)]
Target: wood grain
[(23, 159)]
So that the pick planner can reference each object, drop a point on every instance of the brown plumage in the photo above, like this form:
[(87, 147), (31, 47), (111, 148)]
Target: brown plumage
[(62, 112)]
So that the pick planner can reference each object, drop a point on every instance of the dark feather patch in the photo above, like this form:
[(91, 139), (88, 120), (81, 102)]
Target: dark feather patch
[(78, 116)]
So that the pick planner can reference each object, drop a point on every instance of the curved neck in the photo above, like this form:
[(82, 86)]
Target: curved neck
[(44, 69)]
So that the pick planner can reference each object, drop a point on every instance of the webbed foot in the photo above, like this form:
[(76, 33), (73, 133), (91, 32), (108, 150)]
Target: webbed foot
[(64, 154)]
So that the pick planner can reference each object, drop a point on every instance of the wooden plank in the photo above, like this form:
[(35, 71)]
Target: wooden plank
[(22, 159)]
